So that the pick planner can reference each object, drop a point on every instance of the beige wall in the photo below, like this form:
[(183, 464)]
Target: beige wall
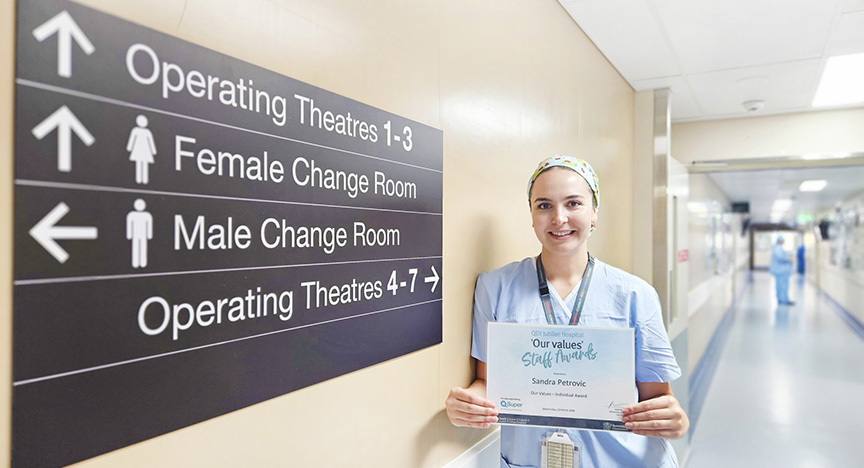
[(837, 131), (841, 260), (718, 256), (7, 74), (508, 82), (643, 185)]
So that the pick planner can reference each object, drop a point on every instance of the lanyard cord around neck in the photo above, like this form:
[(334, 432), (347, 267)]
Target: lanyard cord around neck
[(580, 295)]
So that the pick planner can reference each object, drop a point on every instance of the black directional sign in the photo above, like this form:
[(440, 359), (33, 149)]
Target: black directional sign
[(195, 234)]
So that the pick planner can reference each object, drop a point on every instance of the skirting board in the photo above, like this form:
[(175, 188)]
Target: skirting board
[(484, 454)]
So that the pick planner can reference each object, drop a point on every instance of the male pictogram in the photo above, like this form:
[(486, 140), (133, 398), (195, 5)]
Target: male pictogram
[(139, 229)]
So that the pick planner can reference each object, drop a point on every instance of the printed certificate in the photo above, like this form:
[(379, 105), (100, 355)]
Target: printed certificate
[(560, 376)]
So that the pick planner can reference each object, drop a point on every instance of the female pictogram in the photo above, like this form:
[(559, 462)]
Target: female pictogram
[(141, 148)]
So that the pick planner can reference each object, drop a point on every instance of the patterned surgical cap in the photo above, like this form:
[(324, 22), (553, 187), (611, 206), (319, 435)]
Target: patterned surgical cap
[(578, 165)]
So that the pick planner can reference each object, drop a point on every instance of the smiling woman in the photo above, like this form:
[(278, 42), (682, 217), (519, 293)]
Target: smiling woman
[(563, 216), (564, 198)]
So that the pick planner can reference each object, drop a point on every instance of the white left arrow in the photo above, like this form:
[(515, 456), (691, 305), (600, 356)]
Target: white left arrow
[(65, 122), (432, 279), (46, 233), (66, 29)]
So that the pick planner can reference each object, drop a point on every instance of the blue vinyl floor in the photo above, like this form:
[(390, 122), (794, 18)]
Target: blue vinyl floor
[(788, 390)]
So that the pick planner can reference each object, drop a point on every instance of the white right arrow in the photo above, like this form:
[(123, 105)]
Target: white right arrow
[(65, 122), (46, 233), (432, 279), (66, 29)]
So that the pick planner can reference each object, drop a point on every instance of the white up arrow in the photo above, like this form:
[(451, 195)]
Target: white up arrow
[(432, 279), (46, 233), (65, 122), (66, 29)]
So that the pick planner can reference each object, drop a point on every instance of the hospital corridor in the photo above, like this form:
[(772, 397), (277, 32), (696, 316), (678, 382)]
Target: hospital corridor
[(787, 387)]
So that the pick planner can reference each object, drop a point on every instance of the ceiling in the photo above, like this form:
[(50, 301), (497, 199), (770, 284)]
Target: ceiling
[(714, 55), (761, 187)]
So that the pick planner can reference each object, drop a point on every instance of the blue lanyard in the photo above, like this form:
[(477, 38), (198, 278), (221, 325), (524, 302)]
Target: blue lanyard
[(580, 295)]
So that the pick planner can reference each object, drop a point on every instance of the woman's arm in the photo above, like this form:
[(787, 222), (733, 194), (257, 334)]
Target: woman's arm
[(658, 413), (469, 407)]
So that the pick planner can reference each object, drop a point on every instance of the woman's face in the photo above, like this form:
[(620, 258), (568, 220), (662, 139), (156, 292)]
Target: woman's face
[(562, 211)]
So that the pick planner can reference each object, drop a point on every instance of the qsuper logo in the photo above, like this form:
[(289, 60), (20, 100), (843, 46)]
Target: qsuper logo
[(508, 404)]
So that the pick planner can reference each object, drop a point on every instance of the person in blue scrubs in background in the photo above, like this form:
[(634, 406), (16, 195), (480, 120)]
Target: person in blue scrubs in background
[(781, 268), (800, 255), (563, 195)]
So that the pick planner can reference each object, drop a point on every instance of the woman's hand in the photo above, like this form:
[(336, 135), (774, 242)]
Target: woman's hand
[(467, 409), (661, 416), (657, 415)]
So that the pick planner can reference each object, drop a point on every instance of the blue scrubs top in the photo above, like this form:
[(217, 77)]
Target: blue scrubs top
[(781, 265), (615, 298)]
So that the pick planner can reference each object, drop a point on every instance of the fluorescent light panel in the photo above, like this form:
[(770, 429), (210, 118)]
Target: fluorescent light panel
[(812, 185), (842, 81)]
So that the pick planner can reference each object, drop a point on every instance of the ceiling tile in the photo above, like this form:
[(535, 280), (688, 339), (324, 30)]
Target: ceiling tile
[(709, 36), (626, 33), (852, 5), (782, 87), (849, 37), (702, 49)]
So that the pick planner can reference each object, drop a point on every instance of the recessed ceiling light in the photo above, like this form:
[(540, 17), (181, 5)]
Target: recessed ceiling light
[(842, 81), (812, 185)]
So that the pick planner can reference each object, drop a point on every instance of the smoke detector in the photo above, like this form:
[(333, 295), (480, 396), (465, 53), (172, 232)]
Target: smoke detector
[(753, 106)]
